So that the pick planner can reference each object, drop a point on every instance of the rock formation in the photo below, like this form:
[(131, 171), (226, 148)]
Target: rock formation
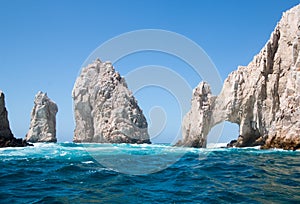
[(7, 139), (43, 120), (263, 98), (105, 110), (5, 131)]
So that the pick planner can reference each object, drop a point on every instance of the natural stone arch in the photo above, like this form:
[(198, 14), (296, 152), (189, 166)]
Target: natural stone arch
[(262, 98), (212, 110)]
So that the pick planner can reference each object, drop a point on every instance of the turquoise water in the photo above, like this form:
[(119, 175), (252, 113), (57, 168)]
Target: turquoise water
[(72, 173)]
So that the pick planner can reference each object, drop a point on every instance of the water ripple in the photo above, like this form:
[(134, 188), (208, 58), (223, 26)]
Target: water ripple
[(66, 173)]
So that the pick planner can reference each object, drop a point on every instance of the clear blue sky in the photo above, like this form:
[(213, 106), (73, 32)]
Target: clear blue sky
[(44, 43)]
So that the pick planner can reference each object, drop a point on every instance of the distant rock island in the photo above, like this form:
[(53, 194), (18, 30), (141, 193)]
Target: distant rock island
[(43, 120), (105, 110), (7, 139), (263, 98)]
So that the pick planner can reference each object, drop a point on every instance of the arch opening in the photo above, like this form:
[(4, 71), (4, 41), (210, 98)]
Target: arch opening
[(222, 134)]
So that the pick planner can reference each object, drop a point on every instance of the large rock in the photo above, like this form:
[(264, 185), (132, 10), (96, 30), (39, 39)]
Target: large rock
[(7, 139), (263, 98), (5, 131), (43, 120), (105, 110)]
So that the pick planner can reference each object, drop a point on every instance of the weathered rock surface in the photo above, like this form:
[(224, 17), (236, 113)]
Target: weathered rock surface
[(105, 110), (43, 120), (7, 139), (263, 98)]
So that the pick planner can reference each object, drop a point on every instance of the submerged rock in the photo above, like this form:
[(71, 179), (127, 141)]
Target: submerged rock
[(263, 98), (43, 120), (7, 139), (105, 110)]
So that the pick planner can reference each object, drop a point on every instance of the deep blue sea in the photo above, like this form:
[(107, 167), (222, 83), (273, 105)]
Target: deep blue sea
[(123, 173)]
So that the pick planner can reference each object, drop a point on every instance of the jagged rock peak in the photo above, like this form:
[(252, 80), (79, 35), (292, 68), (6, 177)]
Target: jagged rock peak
[(105, 110), (5, 131), (7, 139), (263, 98), (43, 120)]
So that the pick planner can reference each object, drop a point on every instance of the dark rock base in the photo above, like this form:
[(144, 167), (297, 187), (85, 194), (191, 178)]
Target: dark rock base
[(13, 142), (286, 144)]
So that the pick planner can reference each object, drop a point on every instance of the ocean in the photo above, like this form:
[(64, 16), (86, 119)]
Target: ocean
[(124, 173)]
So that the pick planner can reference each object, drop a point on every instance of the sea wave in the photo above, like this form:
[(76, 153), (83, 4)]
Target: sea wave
[(115, 173)]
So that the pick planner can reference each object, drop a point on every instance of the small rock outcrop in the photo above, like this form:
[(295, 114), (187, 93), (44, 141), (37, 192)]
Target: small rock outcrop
[(5, 131), (263, 98), (105, 110), (43, 120), (7, 139)]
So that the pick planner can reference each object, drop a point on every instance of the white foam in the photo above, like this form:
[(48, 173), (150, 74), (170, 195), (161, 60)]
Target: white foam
[(87, 162), (216, 145)]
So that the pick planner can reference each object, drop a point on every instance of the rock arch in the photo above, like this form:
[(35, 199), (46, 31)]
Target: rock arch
[(263, 98), (212, 110)]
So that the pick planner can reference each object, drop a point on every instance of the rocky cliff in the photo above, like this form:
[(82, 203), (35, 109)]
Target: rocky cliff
[(105, 110), (7, 139), (43, 120), (263, 98)]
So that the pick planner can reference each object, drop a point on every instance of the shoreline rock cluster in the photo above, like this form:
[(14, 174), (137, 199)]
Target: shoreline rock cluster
[(263, 98), (42, 125)]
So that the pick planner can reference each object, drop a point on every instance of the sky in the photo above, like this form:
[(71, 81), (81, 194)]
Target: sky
[(43, 45)]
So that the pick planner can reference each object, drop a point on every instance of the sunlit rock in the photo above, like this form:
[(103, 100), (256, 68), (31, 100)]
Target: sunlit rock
[(105, 110), (43, 120), (263, 98)]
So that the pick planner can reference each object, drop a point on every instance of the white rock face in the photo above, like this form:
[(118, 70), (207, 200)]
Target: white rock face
[(263, 98), (43, 120), (5, 131), (105, 110)]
